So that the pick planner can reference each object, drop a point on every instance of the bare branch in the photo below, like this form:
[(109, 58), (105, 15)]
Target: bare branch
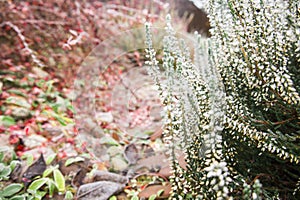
[(23, 39)]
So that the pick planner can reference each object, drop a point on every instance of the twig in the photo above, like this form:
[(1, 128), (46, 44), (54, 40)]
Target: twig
[(47, 10), (78, 13), (135, 10), (130, 90), (115, 13), (34, 21), (150, 174), (125, 8), (23, 39)]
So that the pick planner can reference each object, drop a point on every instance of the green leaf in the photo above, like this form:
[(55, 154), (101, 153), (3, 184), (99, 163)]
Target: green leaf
[(51, 187), (113, 198), (73, 160), (49, 85), (18, 197), (4, 172), (85, 155), (69, 195), (14, 156), (71, 108), (17, 92), (13, 164), (135, 197), (159, 192), (142, 135), (48, 171), (29, 197), (7, 121), (59, 180), (1, 156), (152, 197), (39, 195), (11, 189), (2, 166), (37, 184), (50, 159), (40, 83), (19, 101), (108, 140), (59, 117), (29, 158), (61, 120)]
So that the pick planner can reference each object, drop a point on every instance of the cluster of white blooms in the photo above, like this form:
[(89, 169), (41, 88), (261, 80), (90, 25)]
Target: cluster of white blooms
[(262, 140), (194, 101), (255, 37), (257, 41), (170, 91), (253, 57), (217, 176), (254, 191), (258, 50)]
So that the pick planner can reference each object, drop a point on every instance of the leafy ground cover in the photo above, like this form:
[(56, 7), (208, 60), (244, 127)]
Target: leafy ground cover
[(44, 152)]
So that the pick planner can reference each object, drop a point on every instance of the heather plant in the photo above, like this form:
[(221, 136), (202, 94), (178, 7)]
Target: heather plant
[(193, 117), (234, 109)]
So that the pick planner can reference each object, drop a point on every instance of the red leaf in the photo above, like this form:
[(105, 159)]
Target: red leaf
[(13, 139), (26, 129), (14, 128)]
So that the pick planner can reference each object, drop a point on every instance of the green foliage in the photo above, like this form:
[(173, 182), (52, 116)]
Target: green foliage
[(69, 195), (6, 167), (52, 181), (73, 160), (50, 158), (113, 198), (7, 121), (11, 190), (252, 192), (154, 196), (4, 172), (59, 180), (234, 110), (28, 157)]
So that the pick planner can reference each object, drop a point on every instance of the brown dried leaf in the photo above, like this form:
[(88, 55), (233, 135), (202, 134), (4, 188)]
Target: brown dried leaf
[(74, 167), (153, 189), (100, 190), (108, 176), (165, 171), (36, 169), (79, 177), (131, 153)]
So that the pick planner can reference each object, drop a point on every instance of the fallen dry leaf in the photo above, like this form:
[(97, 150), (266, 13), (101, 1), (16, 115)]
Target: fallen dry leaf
[(74, 167), (108, 176), (100, 190), (165, 171), (36, 169), (131, 153), (153, 189)]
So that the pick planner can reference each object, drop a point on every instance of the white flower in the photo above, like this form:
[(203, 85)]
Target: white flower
[(254, 195)]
